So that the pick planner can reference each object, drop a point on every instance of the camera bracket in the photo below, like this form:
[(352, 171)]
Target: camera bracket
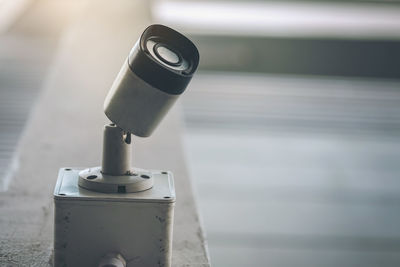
[(116, 175)]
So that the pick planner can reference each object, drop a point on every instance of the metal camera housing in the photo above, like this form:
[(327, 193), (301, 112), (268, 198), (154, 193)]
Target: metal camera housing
[(115, 214), (157, 71)]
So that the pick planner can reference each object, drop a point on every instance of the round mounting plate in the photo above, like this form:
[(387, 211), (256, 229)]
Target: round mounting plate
[(135, 181)]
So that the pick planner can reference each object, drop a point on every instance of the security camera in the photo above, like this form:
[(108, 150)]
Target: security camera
[(115, 211), (157, 70)]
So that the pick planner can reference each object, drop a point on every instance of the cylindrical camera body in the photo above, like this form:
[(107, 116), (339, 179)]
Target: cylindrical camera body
[(157, 71), (134, 105)]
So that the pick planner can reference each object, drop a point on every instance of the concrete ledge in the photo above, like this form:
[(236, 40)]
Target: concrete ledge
[(65, 130)]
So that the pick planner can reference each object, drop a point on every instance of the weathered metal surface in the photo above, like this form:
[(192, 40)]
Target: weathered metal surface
[(65, 129), (89, 225)]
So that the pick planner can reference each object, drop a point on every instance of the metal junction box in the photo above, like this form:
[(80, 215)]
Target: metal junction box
[(89, 225)]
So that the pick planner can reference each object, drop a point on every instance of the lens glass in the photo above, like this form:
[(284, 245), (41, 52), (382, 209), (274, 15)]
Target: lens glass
[(166, 55)]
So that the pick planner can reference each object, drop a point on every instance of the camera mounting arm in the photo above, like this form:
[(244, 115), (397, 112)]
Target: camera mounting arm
[(116, 151)]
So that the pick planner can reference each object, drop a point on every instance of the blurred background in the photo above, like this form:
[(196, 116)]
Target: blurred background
[(291, 126)]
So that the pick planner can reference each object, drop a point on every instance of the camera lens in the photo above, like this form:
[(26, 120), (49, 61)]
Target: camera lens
[(167, 55), (164, 58)]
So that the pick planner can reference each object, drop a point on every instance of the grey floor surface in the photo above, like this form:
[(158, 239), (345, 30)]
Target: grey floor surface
[(27, 51), (296, 171)]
